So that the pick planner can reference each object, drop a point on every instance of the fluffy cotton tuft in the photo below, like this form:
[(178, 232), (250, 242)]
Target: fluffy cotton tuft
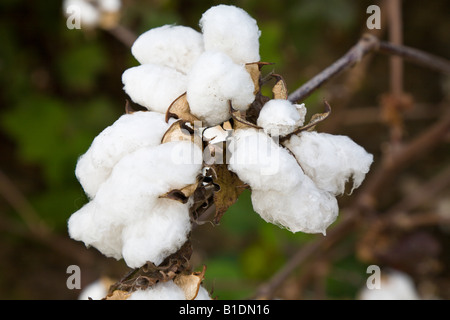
[(330, 160), (302, 208), (280, 117), (232, 31), (212, 82), (176, 47), (153, 86), (281, 193), (129, 133), (261, 162), (127, 214)]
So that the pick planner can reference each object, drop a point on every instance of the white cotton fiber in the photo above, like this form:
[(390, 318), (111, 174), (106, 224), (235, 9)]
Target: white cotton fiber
[(157, 235), (261, 162), (129, 197), (161, 291), (214, 80), (281, 193), (176, 47), (154, 87), (232, 31), (330, 160), (129, 133), (302, 208), (280, 117)]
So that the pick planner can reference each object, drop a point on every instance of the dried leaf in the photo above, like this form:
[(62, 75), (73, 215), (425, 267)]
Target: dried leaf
[(179, 109), (118, 295), (149, 274), (190, 283), (131, 107), (230, 187), (178, 131), (279, 90), (239, 122), (181, 195)]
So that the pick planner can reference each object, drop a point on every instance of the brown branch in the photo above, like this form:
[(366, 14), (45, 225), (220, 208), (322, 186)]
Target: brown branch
[(123, 35), (365, 45), (368, 44), (396, 38)]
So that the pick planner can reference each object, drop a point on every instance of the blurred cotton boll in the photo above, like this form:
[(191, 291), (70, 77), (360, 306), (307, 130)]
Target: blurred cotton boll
[(395, 285)]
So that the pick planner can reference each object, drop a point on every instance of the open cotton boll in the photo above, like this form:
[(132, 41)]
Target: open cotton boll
[(214, 80), (127, 134), (176, 47), (303, 208), (153, 86), (280, 117), (261, 162), (330, 160), (232, 31), (131, 194), (162, 232)]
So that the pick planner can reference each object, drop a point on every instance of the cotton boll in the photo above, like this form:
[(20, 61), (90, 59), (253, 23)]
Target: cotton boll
[(129, 133), (261, 162), (232, 31), (330, 160), (130, 195), (161, 291), (280, 117), (162, 232), (214, 80), (154, 87), (303, 208), (176, 47)]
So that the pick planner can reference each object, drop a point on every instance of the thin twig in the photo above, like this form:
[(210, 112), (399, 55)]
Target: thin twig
[(365, 45), (368, 44)]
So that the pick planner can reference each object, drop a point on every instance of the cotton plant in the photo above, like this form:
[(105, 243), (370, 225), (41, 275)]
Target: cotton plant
[(206, 133)]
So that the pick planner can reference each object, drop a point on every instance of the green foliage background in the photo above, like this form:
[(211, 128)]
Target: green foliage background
[(59, 88)]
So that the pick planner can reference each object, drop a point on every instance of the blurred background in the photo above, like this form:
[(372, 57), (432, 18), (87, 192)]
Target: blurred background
[(59, 88)]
